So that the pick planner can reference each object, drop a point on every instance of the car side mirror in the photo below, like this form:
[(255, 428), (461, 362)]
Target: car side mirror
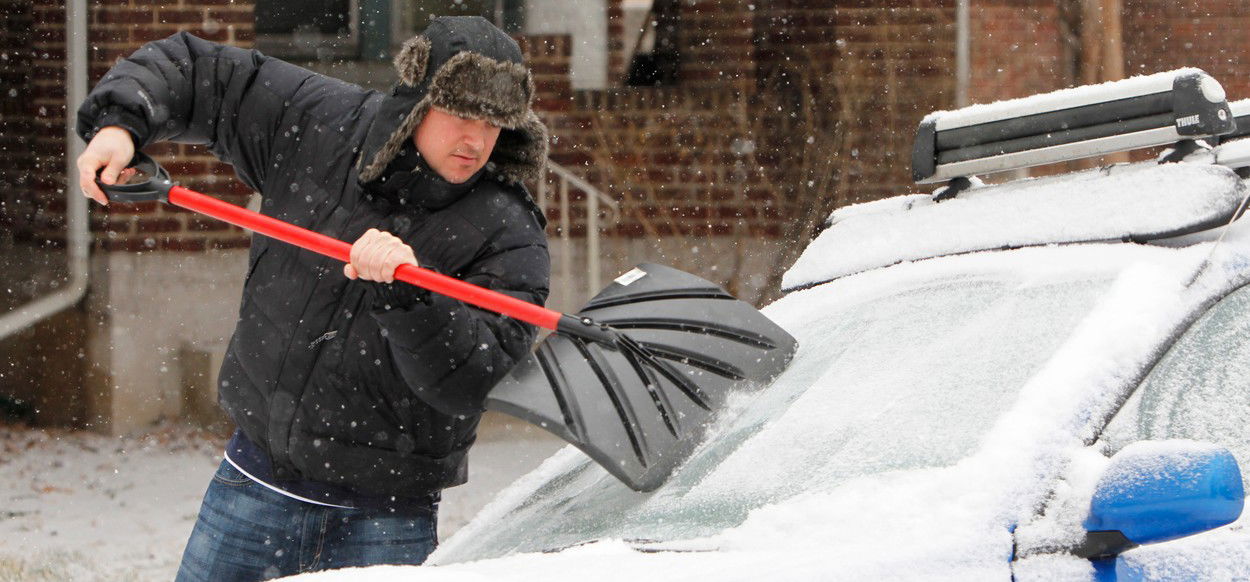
[(1155, 491)]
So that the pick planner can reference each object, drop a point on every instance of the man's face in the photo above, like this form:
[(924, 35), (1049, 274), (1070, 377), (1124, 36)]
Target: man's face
[(454, 147)]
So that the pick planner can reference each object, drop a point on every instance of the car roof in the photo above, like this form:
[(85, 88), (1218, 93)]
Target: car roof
[(1140, 202)]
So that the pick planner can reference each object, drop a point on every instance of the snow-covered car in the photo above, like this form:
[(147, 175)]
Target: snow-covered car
[(1047, 378)]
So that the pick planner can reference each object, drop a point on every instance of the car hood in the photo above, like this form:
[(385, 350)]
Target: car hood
[(868, 529)]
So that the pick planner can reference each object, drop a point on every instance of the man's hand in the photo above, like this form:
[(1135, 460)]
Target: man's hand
[(111, 149), (376, 255)]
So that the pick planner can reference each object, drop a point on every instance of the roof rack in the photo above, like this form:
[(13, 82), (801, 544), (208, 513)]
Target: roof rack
[(1069, 124)]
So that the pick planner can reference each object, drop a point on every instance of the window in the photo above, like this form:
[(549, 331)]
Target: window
[(309, 29), (370, 30), (414, 15), (1200, 389), (653, 28)]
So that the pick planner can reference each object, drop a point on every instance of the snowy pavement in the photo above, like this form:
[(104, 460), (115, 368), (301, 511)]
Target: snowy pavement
[(89, 507)]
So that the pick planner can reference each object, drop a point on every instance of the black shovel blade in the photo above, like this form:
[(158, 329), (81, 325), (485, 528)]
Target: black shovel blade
[(641, 403)]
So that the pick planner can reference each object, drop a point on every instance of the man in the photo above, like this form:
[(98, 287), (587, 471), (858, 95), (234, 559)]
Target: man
[(356, 398)]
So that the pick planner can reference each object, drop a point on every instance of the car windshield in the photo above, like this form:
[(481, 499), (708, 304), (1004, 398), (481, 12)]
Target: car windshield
[(901, 376)]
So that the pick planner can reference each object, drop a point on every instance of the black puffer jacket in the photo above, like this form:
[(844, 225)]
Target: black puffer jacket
[(335, 379)]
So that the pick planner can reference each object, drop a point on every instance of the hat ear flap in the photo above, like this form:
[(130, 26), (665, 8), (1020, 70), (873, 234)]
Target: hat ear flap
[(412, 60)]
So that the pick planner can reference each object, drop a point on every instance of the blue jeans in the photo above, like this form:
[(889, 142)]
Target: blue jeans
[(247, 531)]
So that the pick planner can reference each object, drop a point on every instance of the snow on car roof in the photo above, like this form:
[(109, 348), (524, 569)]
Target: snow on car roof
[(1062, 99), (1129, 202)]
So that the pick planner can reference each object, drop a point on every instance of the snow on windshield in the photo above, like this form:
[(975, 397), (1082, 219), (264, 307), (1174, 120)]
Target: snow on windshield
[(901, 375), (1138, 201)]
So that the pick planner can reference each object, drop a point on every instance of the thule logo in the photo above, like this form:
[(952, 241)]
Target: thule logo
[(1188, 120)]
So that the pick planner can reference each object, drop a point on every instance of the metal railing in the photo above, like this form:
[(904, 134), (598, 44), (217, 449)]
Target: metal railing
[(596, 201)]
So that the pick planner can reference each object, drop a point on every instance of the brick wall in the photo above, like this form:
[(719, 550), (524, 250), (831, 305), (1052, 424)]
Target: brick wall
[(47, 110), (896, 58), (549, 58), (116, 28), (1017, 50), (677, 159), (898, 67), (893, 62), (617, 46), (1213, 35), (717, 41), (17, 127), (720, 153)]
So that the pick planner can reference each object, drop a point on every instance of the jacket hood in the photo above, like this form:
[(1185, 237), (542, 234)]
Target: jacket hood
[(470, 68)]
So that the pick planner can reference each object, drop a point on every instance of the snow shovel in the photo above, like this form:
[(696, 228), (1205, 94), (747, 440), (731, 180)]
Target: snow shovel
[(633, 379)]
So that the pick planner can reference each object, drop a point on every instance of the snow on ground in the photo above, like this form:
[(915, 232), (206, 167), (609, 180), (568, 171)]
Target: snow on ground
[(89, 507), (82, 506)]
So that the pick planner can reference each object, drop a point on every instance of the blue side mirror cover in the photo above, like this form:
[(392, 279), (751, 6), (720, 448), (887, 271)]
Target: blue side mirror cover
[(1155, 491)]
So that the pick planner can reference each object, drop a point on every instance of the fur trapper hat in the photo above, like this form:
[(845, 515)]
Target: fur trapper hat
[(468, 67)]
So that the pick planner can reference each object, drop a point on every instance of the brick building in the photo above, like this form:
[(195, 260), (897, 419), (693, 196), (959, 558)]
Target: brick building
[(723, 129)]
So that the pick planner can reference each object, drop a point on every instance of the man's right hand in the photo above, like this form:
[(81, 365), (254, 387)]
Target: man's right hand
[(376, 255), (110, 149)]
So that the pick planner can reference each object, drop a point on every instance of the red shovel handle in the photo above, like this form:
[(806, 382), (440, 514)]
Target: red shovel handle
[(337, 249)]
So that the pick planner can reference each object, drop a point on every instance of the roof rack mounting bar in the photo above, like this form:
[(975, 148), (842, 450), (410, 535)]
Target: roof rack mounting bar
[(1241, 115), (1231, 149), (1071, 124), (1183, 149)]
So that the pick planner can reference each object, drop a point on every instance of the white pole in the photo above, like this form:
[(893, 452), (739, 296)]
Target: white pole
[(963, 52), (592, 243), (79, 235), (566, 246)]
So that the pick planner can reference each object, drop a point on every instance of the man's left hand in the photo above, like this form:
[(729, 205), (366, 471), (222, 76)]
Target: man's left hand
[(376, 255)]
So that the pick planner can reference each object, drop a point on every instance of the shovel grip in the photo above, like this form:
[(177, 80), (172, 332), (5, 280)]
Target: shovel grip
[(156, 187), (337, 249)]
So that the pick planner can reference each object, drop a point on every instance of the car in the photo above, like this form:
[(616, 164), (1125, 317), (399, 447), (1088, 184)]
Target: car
[(1041, 379)]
